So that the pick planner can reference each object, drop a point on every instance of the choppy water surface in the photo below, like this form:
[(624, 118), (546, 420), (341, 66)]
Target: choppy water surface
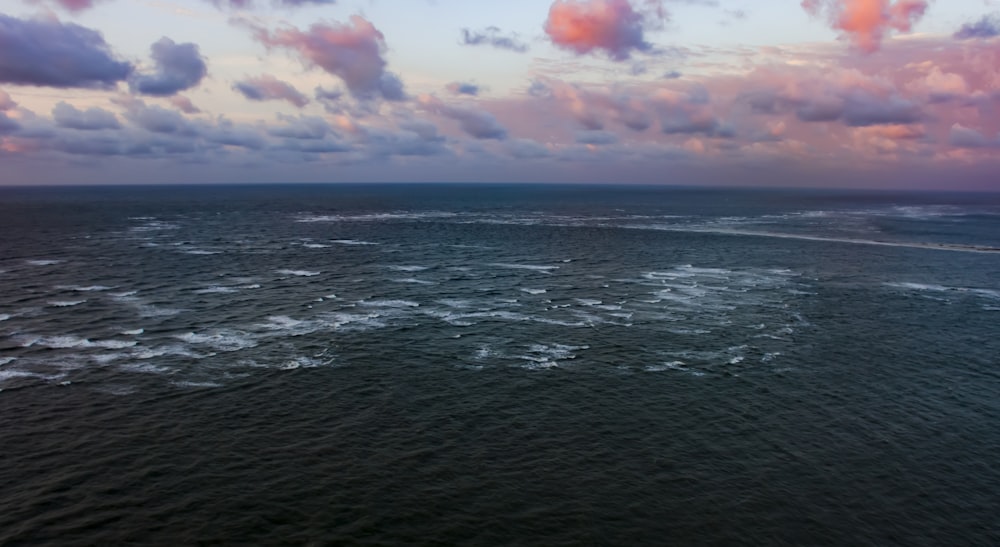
[(498, 364)]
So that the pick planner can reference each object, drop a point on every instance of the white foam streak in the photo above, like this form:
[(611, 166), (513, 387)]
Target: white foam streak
[(531, 267), (298, 273)]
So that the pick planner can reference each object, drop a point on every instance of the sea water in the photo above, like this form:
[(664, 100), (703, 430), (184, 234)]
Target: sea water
[(485, 364)]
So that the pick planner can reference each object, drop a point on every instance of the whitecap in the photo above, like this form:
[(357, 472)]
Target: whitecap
[(531, 267), (534, 291), (146, 368), (11, 374), (149, 311), (161, 351), (414, 281), (222, 340), (408, 268), (4, 316), (215, 289), (79, 288), (44, 262), (196, 385), (201, 252), (302, 362), (588, 301), (353, 242), (298, 273), (390, 303), (315, 246), (7, 360), (69, 341), (66, 303)]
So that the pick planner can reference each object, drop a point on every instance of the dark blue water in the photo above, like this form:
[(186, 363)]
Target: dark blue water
[(448, 364)]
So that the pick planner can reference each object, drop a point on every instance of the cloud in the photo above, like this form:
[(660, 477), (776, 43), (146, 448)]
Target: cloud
[(184, 105), (612, 26), (155, 119), (463, 88), (867, 22), (476, 123), (491, 36), (48, 53), (964, 137), (66, 115), (250, 4), (352, 52), (6, 103), (76, 5), (8, 125), (527, 149), (301, 128), (862, 109), (178, 67), (987, 27), (596, 137), (269, 88)]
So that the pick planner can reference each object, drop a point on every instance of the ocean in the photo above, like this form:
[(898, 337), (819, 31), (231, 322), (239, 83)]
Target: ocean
[(498, 365)]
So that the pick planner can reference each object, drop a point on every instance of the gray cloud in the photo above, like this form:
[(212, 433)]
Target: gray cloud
[(463, 88), (66, 115), (48, 53), (492, 36), (987, 27), (178, 67)]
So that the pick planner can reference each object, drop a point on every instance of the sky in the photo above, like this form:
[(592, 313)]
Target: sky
[(884, 94)]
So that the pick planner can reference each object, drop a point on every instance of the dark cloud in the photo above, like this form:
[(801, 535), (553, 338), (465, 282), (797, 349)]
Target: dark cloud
[(66, 115), (462, 88), (492, 36), (48, 53), (987, 27), (672, 75), (269, 88), (178, 67), (612, 26), (352, 52)]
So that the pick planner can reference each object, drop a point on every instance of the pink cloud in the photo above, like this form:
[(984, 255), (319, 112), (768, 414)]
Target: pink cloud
[(184, 104), (76, 5), (612, 26), (867, 22), (267, 88), (352, 52)]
